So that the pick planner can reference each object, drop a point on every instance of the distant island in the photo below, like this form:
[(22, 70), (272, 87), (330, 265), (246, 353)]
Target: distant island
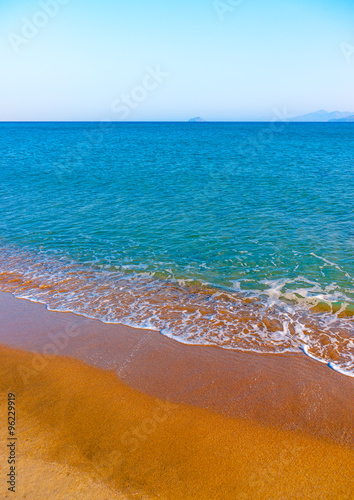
[(196, 120), (325, 116), (321, 116), (349, 119)]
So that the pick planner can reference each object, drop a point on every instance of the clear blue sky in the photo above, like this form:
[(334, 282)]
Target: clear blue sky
[(259, 56)]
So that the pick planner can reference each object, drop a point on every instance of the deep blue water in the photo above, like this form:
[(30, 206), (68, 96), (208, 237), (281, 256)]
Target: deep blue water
[(236, 234)]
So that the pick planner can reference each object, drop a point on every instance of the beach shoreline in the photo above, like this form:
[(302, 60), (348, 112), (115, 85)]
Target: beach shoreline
[(290, 391), (276, 402)]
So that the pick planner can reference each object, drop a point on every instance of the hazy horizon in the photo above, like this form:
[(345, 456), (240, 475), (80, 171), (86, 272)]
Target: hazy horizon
[(189, 120)]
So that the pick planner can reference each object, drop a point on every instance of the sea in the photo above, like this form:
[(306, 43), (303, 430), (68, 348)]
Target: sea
[(236, 235)]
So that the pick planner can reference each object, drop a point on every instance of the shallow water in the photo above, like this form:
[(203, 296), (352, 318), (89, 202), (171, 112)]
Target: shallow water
[(237, 235)]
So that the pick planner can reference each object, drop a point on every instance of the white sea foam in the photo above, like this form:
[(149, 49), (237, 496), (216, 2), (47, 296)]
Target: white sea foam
[(347, 371), (274, 319), (305, 349), (341, 370)]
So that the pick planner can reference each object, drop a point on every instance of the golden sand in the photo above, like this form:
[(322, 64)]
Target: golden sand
[(89, 423), (288, 391)]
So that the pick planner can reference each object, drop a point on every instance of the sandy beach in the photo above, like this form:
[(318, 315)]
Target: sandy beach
[(133, 414), (177, 250)]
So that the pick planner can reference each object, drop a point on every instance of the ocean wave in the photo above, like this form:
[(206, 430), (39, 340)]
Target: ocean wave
[(282, 316)]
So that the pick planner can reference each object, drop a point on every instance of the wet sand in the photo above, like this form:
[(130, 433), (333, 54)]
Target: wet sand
[(241, 425)]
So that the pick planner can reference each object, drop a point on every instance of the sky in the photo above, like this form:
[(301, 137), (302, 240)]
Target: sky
[(163, 60)]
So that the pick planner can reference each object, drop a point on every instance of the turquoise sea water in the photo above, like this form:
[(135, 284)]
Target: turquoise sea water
[(237, 235)]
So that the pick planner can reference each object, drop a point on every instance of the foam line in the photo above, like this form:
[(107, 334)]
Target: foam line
[(332, 365)]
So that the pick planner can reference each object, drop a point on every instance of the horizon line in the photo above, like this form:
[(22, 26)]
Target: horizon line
[(294, 121)]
